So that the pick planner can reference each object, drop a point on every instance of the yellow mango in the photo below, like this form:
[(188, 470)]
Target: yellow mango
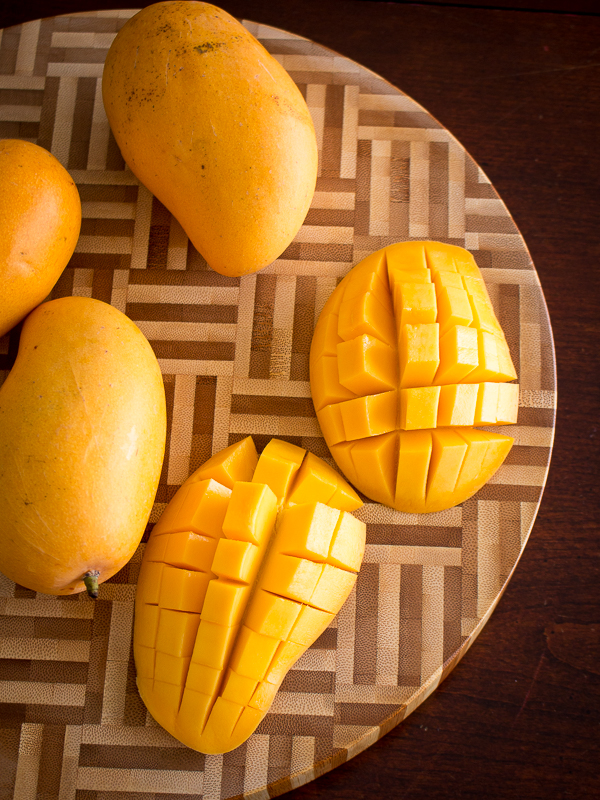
[(212, 643), (400, 441), (214, 127), (40, 218), (82, 437)]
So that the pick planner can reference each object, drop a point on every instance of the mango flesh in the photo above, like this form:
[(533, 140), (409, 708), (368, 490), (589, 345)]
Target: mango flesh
[(214, 127), (40, 219), (239, 577), (82, 438), (408, 356)]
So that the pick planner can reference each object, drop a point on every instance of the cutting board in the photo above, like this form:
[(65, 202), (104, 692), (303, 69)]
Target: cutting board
[(234, 356)]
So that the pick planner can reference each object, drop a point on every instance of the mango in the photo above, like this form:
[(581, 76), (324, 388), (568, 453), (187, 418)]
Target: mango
[(215, 128), (406, 358), (40, 219), (82, 439), (238, 579)]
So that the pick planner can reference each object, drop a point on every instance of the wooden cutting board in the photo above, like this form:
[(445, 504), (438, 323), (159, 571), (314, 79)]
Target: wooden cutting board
[(234, 355)]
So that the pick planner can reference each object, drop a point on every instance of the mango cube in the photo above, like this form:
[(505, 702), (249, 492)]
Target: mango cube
[(291, 577), (376, 457), (418, 408), (235, 463), (199, 506), (458, 402), (236, 560), (238, 688), (459, 355), (272, 615), (347, 543), (454, 308), (316, 481), (324, 377), (278, 464), (182, 589), (176, 632), (225, 602), (332, 425), (251, 513), (369, 416), (414, 457), (310, 625), (419, 352), (332, 589), (188, 550), (508, 403), (306, 530), (415, 303), (365, 314), (366, 365)]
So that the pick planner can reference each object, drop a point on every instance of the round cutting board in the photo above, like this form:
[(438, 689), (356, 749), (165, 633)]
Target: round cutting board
[(234, 355)]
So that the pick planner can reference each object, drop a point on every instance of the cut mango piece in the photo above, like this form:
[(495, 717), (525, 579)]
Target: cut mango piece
[(508, 403), (369, 416), (459, 355), (332, 589), (291, 577), (286, 656), (419, 354), (414, 457), (238, 688), (369, 281), (235, 463), (252, 510), (415, 303), (366, 365), (203, 679), (176, 632), (454, 308), (213, 644), (199, 506), (316, 481), (146, 625), (144, 659), (225, 602), (487, 403), (156, 547), (324, 377), (171, 669), (376, 458), (332, 425), (310, 625), (149, 582), (183, 589), (365, 314), (188, 550), (272, 615), (278, 464), (418, 408), (447, 455), (263, 696), (236, 560), (306, 530), (347, 543), (458, 402), (253, 653), (452, 359)]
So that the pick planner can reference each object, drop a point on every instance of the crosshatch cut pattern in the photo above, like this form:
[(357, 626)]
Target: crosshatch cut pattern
[(234, 355)]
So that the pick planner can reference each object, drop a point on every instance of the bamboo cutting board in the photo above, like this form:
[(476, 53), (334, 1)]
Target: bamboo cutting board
[(234, 355)]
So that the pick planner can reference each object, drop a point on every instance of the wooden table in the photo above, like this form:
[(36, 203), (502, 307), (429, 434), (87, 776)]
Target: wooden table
[(520, 716)]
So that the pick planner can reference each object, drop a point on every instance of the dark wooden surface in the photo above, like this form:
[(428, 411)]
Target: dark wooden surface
[(520, 716)]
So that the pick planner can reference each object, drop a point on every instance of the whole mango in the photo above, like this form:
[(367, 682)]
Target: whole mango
[(215, 128), (40, 219), (82, 438)]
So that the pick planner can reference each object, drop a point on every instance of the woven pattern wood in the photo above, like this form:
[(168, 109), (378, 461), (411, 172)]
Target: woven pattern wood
[(234, 355)]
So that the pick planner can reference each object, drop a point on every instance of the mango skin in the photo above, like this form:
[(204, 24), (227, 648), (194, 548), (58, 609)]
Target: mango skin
[(40, 219), (215, 128), (82, 439)]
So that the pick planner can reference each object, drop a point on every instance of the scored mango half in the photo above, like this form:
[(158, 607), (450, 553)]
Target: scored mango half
[(406, 359), (246, 567)]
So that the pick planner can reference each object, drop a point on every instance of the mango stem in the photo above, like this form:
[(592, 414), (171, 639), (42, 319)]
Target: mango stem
[(91, 583)]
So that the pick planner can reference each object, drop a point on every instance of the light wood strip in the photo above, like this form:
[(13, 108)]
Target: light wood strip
[(432, 652), (418, 206), (403, 134), (152, 781), (222, 412), (271, 388), (315, 100), (349, 131), (388, 624), (27, 649), (379, 208), (373, 512), (312, 704), (303, 756), (65, 108), (188, 366), (188, 331), (257, 763), (488, 554), (324, 234), (456, 190), (46, 694), (28, 763), (180, 447), (274, 426), (28, 42), (339, 201), (99, 134), (70, 762), (193, 295), (520, 475), (405, 554)]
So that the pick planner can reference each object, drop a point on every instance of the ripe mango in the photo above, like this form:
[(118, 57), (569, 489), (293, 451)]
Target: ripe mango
[(246, 567), (82, 438), (215, 128), (408, 356), (40, 219)]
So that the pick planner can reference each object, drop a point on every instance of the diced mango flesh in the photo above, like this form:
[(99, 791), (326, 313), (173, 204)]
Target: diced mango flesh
[(222, 614), (453, 369)]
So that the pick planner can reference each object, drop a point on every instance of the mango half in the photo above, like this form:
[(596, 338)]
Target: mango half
[(406, 359), (247, 566)]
